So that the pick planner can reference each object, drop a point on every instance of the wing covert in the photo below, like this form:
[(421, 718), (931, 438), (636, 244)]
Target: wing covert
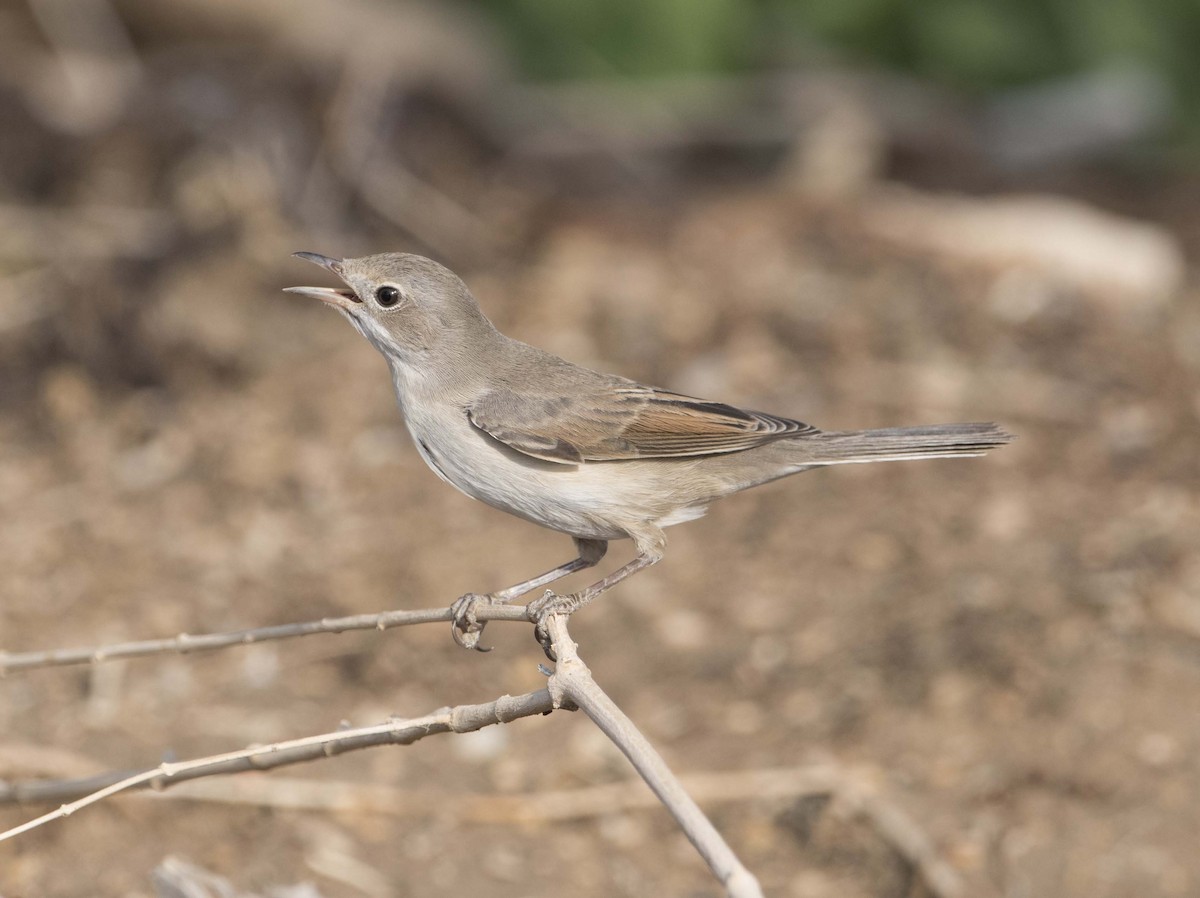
[(624, 420)]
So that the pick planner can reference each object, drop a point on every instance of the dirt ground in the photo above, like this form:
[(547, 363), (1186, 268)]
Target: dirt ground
[(1006, 650)]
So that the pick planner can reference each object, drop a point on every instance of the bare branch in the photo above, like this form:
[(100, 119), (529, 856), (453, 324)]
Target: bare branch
[(572, 682), (186, 643), (358, 153), (851, 796), (460, 719), (571, 685), (526, 808), (903, 836)]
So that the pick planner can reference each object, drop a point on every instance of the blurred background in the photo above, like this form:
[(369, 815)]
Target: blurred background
[(856, 213)]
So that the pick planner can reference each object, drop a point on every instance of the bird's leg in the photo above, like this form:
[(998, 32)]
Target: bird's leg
[(466, 629), (650, 545)]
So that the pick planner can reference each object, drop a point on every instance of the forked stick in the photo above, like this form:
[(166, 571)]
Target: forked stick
[(572, 682)]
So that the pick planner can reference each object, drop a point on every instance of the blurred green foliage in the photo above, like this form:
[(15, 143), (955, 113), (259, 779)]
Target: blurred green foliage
[(975, 45), (613, 38)]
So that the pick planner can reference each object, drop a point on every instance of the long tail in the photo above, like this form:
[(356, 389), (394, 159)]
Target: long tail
[(901, 443)]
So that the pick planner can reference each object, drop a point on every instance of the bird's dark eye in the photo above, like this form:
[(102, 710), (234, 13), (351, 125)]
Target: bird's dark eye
[(387, 296)]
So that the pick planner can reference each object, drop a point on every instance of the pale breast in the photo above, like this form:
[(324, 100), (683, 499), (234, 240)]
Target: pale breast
[(592, 501)]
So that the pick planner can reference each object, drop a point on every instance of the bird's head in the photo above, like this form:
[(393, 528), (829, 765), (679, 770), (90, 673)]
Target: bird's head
[(409, 307)]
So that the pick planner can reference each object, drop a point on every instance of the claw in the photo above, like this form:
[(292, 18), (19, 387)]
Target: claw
[(539, 612), (464, 627)]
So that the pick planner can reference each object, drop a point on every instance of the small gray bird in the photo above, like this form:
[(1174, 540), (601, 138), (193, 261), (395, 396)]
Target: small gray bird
[(591, 455)]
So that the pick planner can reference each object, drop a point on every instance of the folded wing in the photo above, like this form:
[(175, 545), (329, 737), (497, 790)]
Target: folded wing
[(623, 421)]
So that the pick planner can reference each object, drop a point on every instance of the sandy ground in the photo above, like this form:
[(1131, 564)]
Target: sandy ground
[(1005, 649)]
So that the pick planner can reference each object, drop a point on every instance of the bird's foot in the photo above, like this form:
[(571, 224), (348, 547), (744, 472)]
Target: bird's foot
[(464, 626), (540, 611)]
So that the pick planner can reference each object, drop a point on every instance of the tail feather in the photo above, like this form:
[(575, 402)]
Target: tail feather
[(902, 443)]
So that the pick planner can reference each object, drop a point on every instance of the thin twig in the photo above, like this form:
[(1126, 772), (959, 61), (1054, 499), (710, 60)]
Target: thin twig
[(525, 808), (460, 719), (854, 800), (97, 72), (186, 643), (358, 152), (572, 682), (570, 686)]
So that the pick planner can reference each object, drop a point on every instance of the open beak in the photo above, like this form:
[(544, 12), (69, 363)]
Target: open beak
[(340, 297)]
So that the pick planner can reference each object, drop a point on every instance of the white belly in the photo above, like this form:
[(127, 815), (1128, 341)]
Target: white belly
[(592, 501)]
